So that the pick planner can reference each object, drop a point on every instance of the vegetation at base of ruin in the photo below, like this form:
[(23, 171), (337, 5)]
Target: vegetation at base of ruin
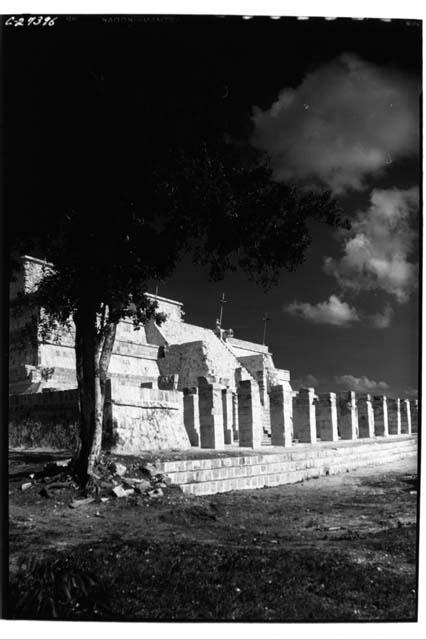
[(139, 169), (341, 548), (26, 432)]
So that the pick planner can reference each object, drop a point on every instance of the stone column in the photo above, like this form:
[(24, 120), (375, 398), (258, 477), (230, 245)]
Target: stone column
[(235, 416), (414, 416), (406, 417), (304, 416), (191, 415), (211, 415), (365, 416), (227, 416), (249, 414), (348, 415), (380, 410), (394, 416), (327, 417), (280, 401)]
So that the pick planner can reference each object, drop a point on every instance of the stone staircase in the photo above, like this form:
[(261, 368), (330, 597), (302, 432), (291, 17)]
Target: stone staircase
[(253, 470)]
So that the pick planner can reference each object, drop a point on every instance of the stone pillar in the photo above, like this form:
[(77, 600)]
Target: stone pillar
[(191, 415), (406, 417), (414, 416), (227, 416), (348, 415), (211, 415), (394, 416), (365, 416), (380, 410), (327, 417), (280, 401), (304, 416), (249, 414), (235, 417)]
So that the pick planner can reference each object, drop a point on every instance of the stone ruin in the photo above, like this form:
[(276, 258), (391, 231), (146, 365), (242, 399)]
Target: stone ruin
[(179, 385)]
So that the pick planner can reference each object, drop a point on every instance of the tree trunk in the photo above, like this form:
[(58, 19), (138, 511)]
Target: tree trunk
[(93, 355)]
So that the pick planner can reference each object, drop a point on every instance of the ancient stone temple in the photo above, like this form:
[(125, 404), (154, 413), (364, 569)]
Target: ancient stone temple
[(177, 385), (170, 386)]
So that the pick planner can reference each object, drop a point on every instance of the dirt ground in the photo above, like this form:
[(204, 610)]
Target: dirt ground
[(334, 548)]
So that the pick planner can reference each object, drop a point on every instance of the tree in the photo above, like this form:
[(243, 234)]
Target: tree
[(111, 219)]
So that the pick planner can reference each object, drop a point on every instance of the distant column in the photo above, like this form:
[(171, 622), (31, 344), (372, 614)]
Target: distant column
[(327, 417), (191, 415), (235, 416), (380, 410), (227, 416), (304, 416), (348, 416), (406, 426), (414, 416), (394, 416), (211, 415), (280, 400), (365, 416), (249, 414)]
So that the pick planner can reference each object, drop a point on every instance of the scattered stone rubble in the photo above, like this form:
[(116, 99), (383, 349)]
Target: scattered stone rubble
[(110, 480)]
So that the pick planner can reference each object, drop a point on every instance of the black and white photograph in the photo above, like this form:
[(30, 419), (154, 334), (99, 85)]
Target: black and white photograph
[(212, 267)]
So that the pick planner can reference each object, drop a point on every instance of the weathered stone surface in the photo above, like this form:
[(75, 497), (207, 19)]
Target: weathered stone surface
[(406, 426), (191, 417), (138, 419), (365, 416), (326, 411), (211, 415), (227, 407), (304, 415), (120, 469), (120, 492), (249, 414), (347, 415), (394, 416), (281, 405), (380, 410), (414, 416)]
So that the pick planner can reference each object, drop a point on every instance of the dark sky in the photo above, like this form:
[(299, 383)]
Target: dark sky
[(347, 123)]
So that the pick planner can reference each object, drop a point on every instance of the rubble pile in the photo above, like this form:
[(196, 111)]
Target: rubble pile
[(111, 479)]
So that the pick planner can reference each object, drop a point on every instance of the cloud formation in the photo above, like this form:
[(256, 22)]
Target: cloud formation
[(305, 382), (382, 320), (362, 384), (376, 250), (347, 120), (333, 311)]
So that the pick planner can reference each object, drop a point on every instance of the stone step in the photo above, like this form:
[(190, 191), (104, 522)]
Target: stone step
[(228, 474), (298, 452), (225, 472)]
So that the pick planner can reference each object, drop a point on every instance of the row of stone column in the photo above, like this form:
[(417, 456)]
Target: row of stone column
[(329, 416), (215, 416)]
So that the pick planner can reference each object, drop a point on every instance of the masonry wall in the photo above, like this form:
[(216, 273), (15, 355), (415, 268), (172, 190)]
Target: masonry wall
[(37, 364), (143, 419), (204, 358), (136, 419), (44, 420)]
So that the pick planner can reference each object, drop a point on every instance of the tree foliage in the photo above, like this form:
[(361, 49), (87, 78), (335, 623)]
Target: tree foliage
[(136, 166)]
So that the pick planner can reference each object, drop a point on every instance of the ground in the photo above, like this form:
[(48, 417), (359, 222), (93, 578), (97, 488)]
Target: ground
[(334, 548)]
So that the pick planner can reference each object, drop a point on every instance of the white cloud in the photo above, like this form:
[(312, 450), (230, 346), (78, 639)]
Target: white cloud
[(305, 382), (362, 384), (333, 311), (410, 393), (382, 320), (347, 120), (378, 246)]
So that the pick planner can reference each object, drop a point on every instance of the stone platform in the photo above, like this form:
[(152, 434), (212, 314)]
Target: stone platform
[(253, 469)]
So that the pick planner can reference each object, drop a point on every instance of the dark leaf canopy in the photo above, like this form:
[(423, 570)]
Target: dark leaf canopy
[(134, 164)]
